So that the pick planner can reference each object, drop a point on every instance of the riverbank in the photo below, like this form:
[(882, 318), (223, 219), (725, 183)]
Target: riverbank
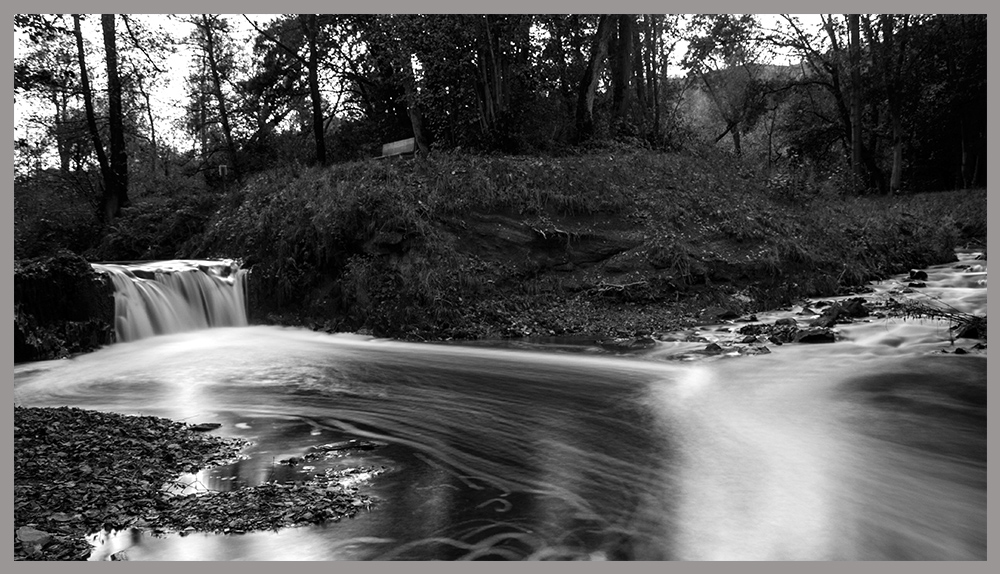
[(623, 244), (78, 473), (617, 245)]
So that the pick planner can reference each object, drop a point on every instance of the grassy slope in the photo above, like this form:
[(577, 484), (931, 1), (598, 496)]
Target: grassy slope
[(605, 244)]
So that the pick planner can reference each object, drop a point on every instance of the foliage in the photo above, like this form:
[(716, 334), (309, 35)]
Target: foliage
[(155, 227), (389, 246), (53, 211)]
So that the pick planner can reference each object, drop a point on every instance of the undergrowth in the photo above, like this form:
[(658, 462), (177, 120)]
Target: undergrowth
[(366, 244)]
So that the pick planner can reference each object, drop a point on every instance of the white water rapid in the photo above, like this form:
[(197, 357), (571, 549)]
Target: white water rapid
[(872, 447)]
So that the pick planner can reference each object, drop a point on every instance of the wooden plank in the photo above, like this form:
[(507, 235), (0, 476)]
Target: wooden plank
[(400, 147)]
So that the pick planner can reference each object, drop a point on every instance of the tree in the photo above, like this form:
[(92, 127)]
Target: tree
[(889, 51), (48, 70), (146, 48), (117, 189), (723, 55), (216, 59), (588, 83), (309, 33), (854, 24), (823, 55), (109, 208)]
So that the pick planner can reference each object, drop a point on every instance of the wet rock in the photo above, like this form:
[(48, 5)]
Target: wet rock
[(713, 314), (961, 351), (713, 349), (202, 427), (841, 313), (828, 318), (628, 343), (144, 274), (755, 350), (855, 307), (352, 444), (916, 284), (753, 329), (785, 322), (815, 335), (916, 275), (972, 330)]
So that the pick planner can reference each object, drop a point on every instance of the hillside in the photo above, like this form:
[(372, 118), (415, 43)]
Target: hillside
[(612, 243)]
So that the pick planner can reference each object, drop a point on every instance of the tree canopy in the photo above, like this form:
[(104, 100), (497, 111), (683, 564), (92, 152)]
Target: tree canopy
[(909, 106)]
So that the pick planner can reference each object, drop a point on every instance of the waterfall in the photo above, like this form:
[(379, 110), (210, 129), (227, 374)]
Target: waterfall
[(161, 297)]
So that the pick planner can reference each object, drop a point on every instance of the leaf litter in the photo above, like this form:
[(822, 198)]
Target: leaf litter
[(77, 472)]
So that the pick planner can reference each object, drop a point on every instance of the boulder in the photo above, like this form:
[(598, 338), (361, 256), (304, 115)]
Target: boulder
[(815, 335)]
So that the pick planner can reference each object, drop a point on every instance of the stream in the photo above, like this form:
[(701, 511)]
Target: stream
[(869, 448)]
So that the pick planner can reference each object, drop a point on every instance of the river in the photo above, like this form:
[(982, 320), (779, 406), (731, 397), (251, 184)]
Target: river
[(869, 448)]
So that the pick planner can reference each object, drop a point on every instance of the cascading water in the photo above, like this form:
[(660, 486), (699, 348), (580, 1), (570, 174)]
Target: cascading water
[(162, 297), (869, 448)]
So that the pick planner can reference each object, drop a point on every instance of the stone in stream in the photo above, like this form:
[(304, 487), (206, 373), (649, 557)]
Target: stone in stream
[(713, 349), (815, 335), (202, 427), (839, 312), (916, 275)]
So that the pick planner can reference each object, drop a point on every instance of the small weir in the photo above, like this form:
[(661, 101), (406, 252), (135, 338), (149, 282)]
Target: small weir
[(163, 297)]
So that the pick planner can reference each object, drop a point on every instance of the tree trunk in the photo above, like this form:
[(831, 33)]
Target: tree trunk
[(588, 84), (59, 121), (639, 62), (854, 25), (621, 77), (412, 105), (311, 27), (655, 76), (213, 67), (893, 62), (116, 127), (153, 152), (95, 136)]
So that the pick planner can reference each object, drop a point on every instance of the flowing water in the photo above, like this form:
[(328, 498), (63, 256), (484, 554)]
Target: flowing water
[(870, 448)]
